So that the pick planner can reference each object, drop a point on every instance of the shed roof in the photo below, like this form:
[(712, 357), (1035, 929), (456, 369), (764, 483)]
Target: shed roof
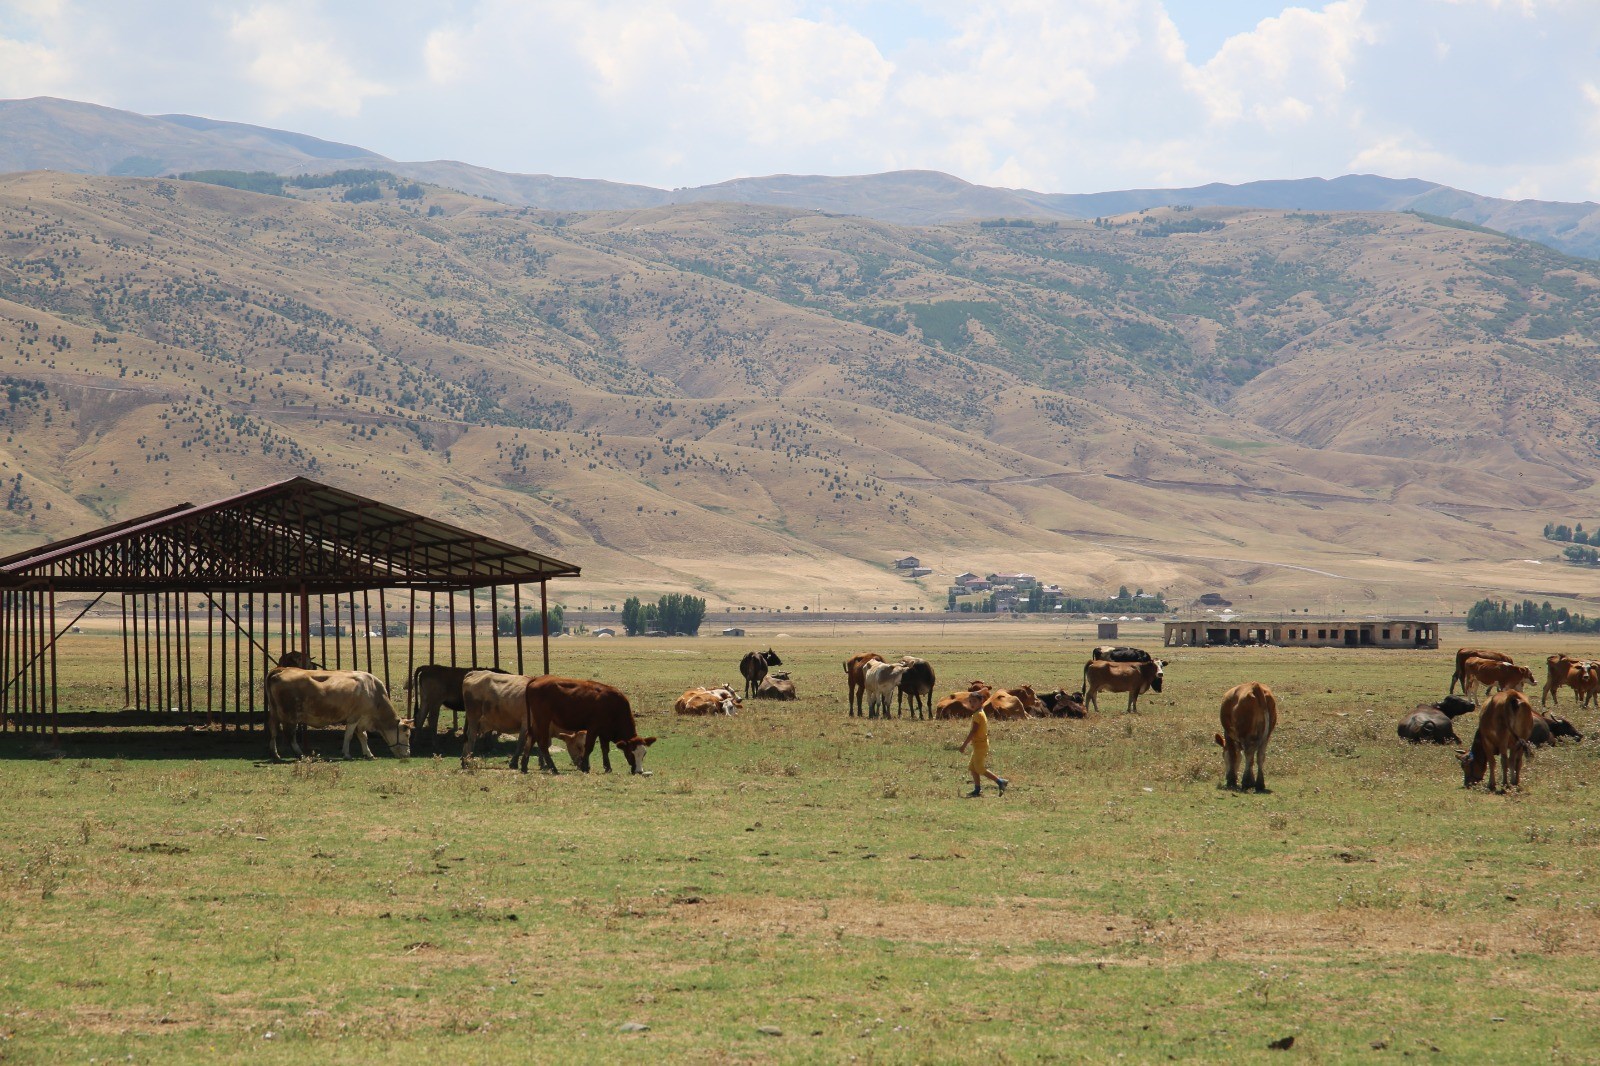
[(294, 536)]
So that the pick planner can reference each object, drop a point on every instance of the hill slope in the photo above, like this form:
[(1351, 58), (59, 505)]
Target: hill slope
[(49, 134), (765, 406)]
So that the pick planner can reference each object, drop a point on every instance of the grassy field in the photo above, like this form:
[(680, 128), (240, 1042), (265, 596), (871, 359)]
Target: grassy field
[(171, 896)]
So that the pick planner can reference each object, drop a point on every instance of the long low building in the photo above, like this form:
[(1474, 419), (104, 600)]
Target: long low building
[(1305, 633)]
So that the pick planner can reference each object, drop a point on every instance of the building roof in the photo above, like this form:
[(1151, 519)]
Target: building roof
[(293, 536)]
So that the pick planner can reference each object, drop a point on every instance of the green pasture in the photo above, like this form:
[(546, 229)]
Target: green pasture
[(168, 895)]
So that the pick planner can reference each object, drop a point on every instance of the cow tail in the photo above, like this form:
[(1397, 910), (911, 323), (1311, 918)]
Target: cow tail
[(1085, 677)]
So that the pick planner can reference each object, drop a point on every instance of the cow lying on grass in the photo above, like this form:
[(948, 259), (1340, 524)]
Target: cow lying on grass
[(722, 700), (353, 699)]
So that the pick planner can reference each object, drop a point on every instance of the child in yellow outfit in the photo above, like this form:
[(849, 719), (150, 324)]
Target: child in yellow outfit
[(978, 737)]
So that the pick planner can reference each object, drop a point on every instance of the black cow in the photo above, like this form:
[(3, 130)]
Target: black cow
[(1063, 704), (754, 667), (1454, 707), (917, 682), (1548, 728), (1115, 653), (1428, 725)]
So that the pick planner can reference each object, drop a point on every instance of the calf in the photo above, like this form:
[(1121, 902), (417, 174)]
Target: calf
[(917, 683), (1133, 678), (1463, 654), (1504, 726), (592, 707), (318, 698), (855, 673), (1249, 715), (1428, 725), (882, 681), (1494, 674)]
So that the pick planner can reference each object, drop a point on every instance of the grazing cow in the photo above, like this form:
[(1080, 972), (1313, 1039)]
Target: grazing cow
[(433, 686), (882, 681), (1493, 674), (855, 673), (1503, 730), (1249, 715), (1133, 678), (917, 682), (708, 701), (1063, 704), (494, 702), (319, 698), (753, 667), (1549, 728), (1463, 654), (598, 710), (1428, 725), (962, 704), (773, 687), (1113, 653)]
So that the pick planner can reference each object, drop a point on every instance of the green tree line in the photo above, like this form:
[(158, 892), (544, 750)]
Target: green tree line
[(1489, 615), (676, 613)]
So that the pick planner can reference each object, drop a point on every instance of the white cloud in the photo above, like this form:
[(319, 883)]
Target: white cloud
[(1300, 52), (296, 70)]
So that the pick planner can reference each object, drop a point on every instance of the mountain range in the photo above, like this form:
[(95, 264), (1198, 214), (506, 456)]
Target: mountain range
[(50, 134), (1300, 410)]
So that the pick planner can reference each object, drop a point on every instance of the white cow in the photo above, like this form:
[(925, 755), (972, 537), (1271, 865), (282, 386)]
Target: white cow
[(882, 682), (320, 698)]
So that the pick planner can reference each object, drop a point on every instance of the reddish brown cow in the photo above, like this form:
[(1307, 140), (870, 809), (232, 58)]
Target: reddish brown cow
[(1504, 725), (962, 704), (1584, 680), (1011, 703), (1493, 674), (1133, 678), (569, 704), (855, 672), (1249, 715), (1557, 668), (1463, 654)]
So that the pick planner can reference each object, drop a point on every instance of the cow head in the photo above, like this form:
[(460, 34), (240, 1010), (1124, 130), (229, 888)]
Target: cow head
[(1154, 671), (1472, 767), (1560, 727), (772, 658), (299, 660), (577, 745), (635, 748), (399, 739), (1525, 674)]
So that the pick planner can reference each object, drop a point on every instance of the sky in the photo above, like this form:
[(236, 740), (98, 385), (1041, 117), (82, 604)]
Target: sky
[(1500, 97)]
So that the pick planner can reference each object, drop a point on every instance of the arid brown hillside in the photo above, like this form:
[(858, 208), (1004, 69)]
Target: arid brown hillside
[(1312, 411)]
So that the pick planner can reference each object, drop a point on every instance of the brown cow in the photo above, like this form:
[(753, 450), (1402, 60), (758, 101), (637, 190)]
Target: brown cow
[(351, 698), (1493, 674), (570, 704), (1249, 715), (434, 685), (494, 703), (708, 701), (962, 704), (1013, 703), (855, 672), (1133, 678), (1463, 654), (773, 687), (1504, 725), (1584, 680), (1556, 670)]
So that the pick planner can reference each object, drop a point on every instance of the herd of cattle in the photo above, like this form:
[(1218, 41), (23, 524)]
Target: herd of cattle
[(582, 714)]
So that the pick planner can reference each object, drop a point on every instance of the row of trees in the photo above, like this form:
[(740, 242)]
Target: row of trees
[(1491, 615), (507, 626), (1581, 556), (1574, 534), (676, 614)]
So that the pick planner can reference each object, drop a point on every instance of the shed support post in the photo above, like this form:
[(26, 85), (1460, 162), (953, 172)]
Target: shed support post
[(55, 688), (305, 621), (516, 621), (494, 623), (544, 623)]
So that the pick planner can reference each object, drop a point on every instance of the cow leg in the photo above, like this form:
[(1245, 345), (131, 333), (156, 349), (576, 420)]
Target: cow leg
[(272, 738), (1230, 759), (605, 756), (1261, 769), (361, 738)]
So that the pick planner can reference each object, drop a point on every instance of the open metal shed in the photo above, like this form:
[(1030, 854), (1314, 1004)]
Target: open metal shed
[(288, 567)]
